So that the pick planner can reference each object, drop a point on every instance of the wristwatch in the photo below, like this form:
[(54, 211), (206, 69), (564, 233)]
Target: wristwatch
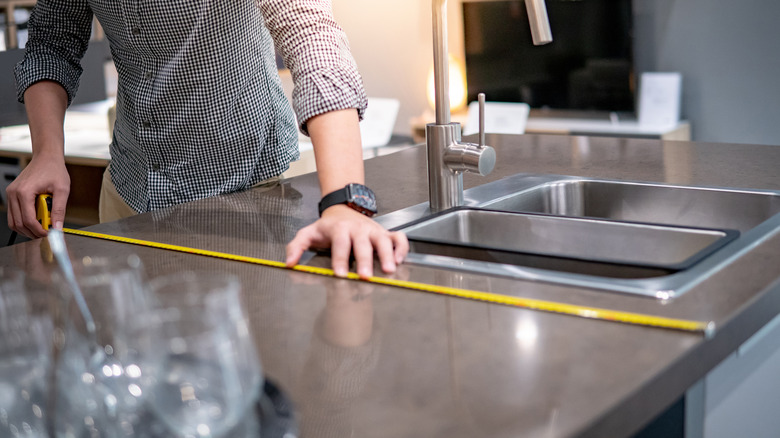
[(356, 196)]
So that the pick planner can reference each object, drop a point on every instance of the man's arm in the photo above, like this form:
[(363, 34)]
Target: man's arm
[(328, 99), (46, 81), (45, 102), (335, 136)]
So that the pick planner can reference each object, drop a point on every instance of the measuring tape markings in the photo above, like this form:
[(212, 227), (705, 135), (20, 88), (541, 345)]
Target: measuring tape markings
[(707, 328)]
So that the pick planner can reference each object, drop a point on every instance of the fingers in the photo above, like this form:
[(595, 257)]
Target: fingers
[(384, 250), (306, 238), (15, 216), (41, 175), (401, 245), (390, 247), (30, 217), (295, 250), (21, 215), (363, 250), (340, 250), (59, 201), (10, 216), (348, 232)]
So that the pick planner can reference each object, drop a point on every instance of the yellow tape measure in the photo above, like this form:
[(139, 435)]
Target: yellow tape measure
[(43, 210), (707, 328)]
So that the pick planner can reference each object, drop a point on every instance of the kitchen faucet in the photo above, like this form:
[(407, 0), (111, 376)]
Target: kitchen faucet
[(448, 157)]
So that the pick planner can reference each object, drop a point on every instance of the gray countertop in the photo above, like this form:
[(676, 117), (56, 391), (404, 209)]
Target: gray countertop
[(361, 359)]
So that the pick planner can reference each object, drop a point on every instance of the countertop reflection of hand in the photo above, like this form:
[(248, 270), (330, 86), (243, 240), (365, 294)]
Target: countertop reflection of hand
[(344, 351), (348, 317)]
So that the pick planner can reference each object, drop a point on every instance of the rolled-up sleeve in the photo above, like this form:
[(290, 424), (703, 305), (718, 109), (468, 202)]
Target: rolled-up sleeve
[(316, 51), (59, 32)]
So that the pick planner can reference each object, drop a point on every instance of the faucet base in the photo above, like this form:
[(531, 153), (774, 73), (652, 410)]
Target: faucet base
[(445, 186)]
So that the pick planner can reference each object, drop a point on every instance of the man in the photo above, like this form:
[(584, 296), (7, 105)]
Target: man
[(200, 111)]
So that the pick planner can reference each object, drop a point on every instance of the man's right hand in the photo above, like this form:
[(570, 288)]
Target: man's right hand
[(45, 102), (42, 175)]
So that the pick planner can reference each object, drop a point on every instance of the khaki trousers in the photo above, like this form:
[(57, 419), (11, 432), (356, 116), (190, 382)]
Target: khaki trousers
[(112, 207)]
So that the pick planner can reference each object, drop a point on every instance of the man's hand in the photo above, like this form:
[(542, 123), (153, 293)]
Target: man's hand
[(42, 175), (335, 136), (344, 230), (45, 102)]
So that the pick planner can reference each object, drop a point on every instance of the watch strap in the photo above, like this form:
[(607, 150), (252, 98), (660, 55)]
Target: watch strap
[(356, 196), (340, 196)]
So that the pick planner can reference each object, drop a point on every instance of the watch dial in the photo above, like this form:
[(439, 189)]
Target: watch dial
[(363, 198)]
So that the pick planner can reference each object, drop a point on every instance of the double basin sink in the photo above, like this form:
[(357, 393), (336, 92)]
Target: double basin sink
[(649, 239)]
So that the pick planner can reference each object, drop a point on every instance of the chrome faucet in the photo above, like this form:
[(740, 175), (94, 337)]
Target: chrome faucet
[(448, 157)]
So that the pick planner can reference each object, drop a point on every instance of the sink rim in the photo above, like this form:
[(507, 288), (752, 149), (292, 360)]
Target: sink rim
[(663, 288)]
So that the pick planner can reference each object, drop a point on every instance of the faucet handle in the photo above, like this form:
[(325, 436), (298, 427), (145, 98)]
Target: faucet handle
[(481, 103), (469, 157), (478, 158)]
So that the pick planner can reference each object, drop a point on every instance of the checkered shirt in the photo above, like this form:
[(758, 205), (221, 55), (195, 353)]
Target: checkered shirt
[(200, 106)]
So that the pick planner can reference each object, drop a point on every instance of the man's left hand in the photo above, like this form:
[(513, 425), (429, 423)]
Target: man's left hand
[(346, 231)]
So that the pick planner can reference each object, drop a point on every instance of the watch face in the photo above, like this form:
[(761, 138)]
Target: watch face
[(362, 199)]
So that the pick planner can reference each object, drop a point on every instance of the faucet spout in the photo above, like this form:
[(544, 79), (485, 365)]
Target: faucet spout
[(441, 80), (448, 157), (540, 23)]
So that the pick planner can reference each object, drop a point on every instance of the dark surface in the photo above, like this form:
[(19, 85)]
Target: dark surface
[(360, 359), (587, 66)]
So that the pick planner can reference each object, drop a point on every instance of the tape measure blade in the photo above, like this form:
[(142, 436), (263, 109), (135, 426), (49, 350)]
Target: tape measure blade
[(706, 328)]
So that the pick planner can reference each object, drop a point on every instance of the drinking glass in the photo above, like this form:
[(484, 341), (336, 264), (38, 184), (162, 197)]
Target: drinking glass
[(24, 360), (100, 376), (210, 373)]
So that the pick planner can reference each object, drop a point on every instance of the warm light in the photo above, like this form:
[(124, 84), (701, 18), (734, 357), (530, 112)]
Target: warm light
[(457, 85)]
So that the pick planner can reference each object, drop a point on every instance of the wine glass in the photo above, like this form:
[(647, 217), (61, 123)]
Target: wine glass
[(24, 360), (99, 374), (210, 373)]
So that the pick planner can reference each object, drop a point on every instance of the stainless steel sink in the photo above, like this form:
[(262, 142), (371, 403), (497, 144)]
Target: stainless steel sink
[(650, 239), (612, 248), (629, 201)]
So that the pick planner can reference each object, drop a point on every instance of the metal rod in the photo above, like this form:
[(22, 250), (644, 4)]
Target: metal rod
[(481, 100), (441, 62)]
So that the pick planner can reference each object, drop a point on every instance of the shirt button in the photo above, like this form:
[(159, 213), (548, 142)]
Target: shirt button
[(147, 124), (155, 166), (136, 31), (148, 75)]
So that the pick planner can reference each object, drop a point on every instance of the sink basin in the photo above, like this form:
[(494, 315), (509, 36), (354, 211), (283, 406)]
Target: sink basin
[(650, 239), (609, 248), (659, 204)]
